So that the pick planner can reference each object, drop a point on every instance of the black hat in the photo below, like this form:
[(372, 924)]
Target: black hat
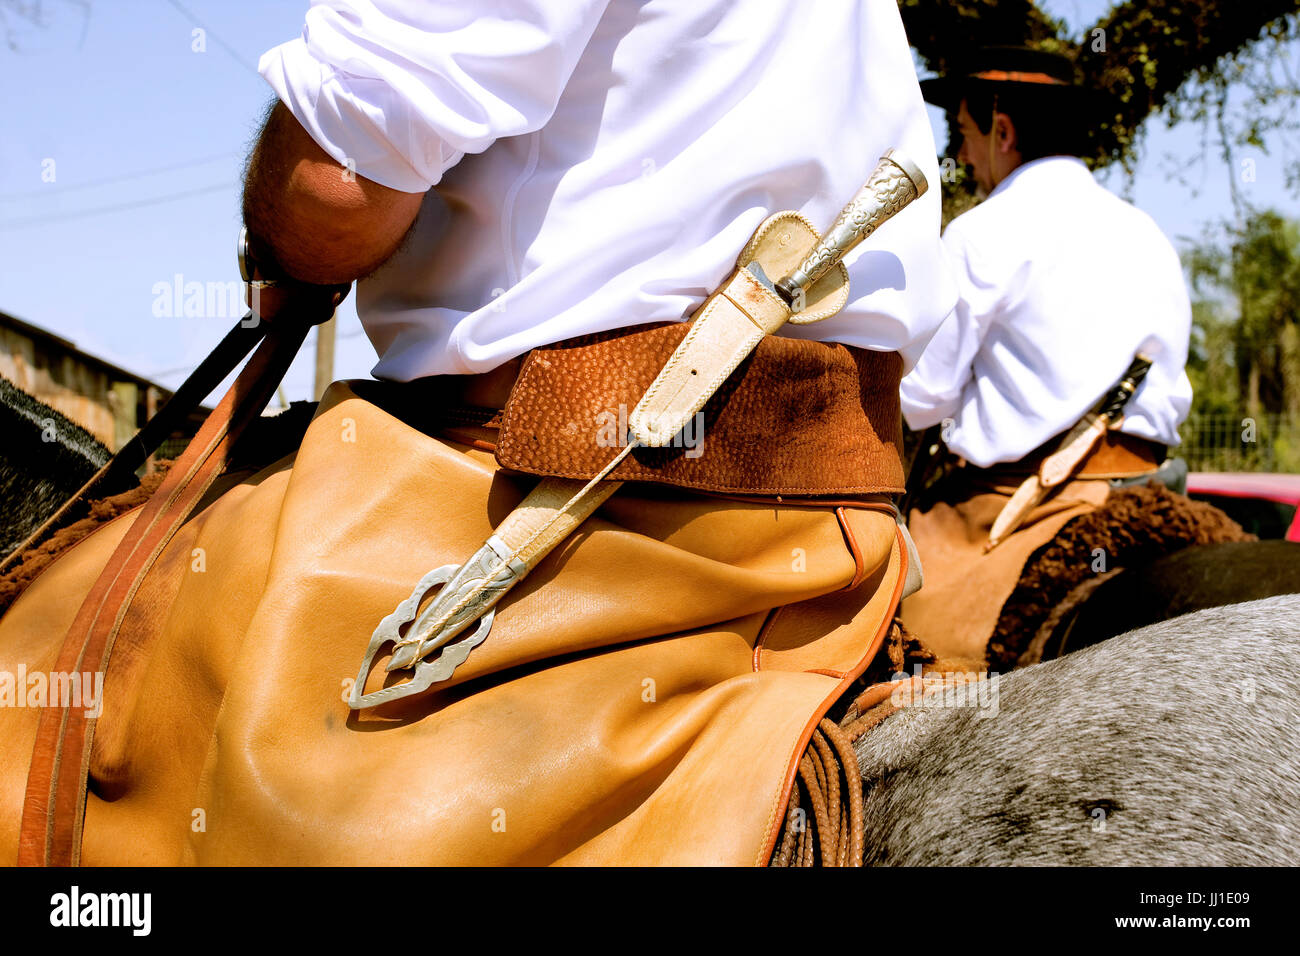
[(1048, 77)]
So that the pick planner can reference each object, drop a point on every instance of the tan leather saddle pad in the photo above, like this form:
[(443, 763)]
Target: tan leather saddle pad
[(643, 697)]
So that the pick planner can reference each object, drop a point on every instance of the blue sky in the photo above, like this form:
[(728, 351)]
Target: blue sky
[(144, 134)]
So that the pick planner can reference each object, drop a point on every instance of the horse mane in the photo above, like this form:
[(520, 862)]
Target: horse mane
[(37, 558), (267, 439), (44, 459)]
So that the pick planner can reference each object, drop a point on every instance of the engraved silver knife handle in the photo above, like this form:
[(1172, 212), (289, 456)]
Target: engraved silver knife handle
[(895, 183)]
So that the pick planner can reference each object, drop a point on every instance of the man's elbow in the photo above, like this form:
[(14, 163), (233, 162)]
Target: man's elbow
[(323, 222)]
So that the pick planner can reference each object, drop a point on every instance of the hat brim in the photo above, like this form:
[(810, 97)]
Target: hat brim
[(947, 92)]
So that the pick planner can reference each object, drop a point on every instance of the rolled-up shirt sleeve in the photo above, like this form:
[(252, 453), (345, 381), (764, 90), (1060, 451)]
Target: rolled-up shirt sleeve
[(399, 92)]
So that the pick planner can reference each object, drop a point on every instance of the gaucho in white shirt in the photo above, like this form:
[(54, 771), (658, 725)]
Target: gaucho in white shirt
[(1060, 284), (599, 163), (581, 175)]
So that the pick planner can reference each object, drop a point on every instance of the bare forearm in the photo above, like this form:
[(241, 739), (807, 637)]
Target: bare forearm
[(321, 222)]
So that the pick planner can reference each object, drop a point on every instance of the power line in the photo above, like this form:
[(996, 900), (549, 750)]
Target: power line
[(234, 54), (167, 372), (119, 207), (108, 180)]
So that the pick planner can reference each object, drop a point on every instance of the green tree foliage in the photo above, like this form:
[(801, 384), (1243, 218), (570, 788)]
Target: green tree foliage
[(1181, 57), (1245, 355), (1166, 53), (1246, 352)]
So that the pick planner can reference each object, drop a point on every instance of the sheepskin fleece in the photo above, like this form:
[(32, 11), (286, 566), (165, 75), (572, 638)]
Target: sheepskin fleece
[(1133, 526)]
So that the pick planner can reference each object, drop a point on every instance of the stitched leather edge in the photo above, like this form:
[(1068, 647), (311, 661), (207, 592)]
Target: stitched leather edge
[(859, 576), (768, 846)]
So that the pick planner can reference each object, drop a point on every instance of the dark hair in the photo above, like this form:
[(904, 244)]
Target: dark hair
[(1046, 124)]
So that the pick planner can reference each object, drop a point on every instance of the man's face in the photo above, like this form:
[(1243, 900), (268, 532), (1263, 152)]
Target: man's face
[(975, 149)]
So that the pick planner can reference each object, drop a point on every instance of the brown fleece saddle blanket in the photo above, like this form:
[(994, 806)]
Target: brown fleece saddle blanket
[(1135, 525)]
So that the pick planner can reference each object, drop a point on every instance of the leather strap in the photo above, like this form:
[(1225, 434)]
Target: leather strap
[(1117, 455), (55, 802)]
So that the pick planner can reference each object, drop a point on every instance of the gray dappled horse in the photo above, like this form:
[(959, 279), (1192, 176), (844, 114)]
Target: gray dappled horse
[(1172, 744), (1176, 744)]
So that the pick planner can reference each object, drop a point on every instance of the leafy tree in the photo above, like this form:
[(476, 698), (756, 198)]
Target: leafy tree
[(1182, 57), (1245, 356), (1248, 306)]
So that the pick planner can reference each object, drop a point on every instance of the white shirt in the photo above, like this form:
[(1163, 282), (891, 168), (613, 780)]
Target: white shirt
[(1060, 283), (601, 163)]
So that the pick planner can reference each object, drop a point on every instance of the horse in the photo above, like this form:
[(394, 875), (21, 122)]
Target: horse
[(1192, 579), (46, 457), (1174, 744)]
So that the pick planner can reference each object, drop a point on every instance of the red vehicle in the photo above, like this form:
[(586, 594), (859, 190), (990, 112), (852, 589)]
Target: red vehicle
[(1265, 504)]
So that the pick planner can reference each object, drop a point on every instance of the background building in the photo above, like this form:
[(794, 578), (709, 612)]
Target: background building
[(108, 401)]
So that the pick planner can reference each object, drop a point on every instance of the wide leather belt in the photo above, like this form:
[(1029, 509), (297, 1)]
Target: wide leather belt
[(806, 418), (1117, 455)]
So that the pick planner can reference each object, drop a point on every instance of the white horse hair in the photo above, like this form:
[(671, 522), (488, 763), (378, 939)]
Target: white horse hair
[(1176, 744)]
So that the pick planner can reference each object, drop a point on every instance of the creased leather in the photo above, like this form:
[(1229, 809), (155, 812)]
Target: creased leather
[(55, 791), (617, 712)]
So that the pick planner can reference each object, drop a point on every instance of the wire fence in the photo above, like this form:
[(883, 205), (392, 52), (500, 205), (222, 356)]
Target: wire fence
[(1241, 443), (171, 448)]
